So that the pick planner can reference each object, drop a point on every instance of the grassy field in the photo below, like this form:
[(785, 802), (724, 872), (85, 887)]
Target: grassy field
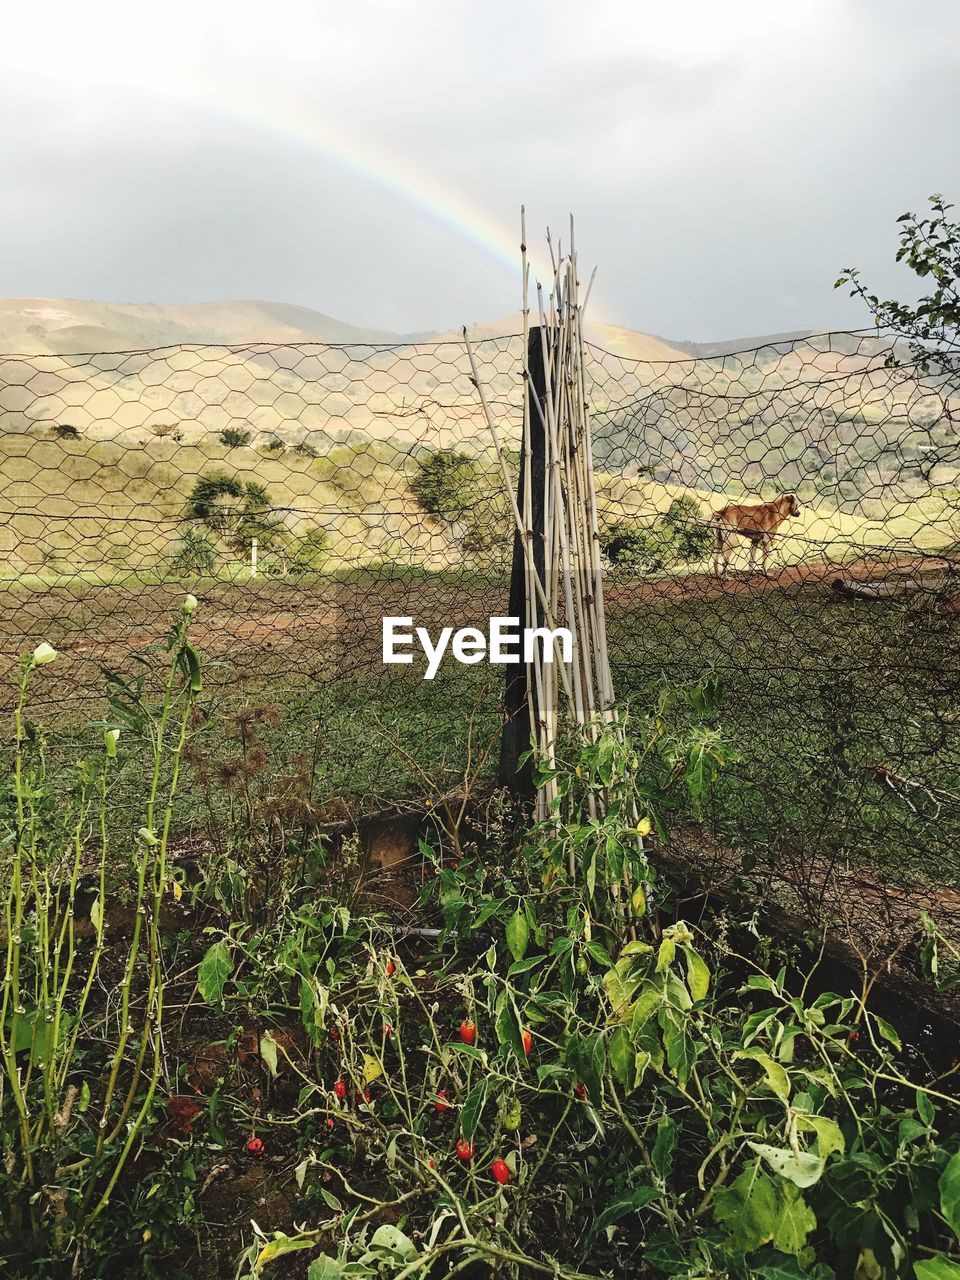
[(820, 695)]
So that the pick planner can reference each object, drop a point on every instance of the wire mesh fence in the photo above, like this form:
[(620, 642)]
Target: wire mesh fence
[(302, 493)]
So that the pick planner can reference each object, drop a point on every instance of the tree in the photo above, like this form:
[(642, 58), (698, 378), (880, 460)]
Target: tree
[(234, 438), (930, 247), (235, 510), (687, 528), (635, 547), (446, 484)]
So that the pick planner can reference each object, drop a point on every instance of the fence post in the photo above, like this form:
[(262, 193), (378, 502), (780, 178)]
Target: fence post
[(516, 730), (253, 557)]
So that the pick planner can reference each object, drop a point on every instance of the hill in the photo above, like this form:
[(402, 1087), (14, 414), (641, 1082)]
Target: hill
[(33, 326), (99, 452)]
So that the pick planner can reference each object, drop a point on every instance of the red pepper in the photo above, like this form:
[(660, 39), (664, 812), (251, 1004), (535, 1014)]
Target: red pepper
[(501, 1172), (464, 1150), (468, 1031)]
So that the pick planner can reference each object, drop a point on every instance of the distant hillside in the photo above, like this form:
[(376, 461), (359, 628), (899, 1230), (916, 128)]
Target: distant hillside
[(34, 326)]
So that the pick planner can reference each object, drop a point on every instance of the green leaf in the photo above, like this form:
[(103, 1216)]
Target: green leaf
[(681, 1053), (749, 1209), (829, 1137), (666, 954), (887, 1032), (936, 1269), (661, 1157), (268, 1052), (509, 1031), (215, 968), (473, 1108), (801, 1168), (925, 1108), (698, 975), (325, 1268), (390, 1240), (639, 1198), (949, 1187), (518, 934), (282, 1244), (796, 1222), (622, 1057), (776, 1077)]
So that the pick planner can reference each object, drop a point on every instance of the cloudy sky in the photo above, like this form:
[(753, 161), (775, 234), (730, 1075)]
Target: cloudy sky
[(368, 159)]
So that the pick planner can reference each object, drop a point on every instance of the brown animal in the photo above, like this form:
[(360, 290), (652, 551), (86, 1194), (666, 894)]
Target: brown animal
[(757, 523)]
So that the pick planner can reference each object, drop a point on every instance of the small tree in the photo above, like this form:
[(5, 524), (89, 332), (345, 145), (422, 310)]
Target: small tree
[(635, 547), (310, 552), (687, 528), (446, 484), (234, 438), (237, 511)]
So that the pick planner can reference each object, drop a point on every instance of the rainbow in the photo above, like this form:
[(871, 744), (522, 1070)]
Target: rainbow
[(419, 189)]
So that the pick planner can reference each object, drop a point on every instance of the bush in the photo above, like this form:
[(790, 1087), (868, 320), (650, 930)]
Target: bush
[(639, 548), (310, 552), (167, 431), (194, 553), (446, 484), (689, 527), (234, 438), (681, 535)]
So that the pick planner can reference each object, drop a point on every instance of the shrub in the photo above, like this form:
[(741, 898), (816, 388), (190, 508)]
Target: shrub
[(63, 431), (682, 534), (234, 438), (446, 484), (688, 525), (310, 551), (194, 553), (639, 548)]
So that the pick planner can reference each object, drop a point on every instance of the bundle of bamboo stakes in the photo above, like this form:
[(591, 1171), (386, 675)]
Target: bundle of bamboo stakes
[(564, 582)]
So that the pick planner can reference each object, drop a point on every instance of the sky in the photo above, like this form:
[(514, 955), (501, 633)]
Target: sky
[(723, 161)]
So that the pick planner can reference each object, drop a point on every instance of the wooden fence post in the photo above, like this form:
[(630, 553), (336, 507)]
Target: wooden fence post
[(519, 678)]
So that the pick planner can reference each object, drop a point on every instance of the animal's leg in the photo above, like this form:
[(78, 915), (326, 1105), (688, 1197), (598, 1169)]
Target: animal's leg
[(753, 555), (767, 543), (718, 552)]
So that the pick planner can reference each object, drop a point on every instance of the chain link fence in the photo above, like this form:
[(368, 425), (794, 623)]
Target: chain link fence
[(304, 492)]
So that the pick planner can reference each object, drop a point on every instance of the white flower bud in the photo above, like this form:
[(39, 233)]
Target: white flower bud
[(190, 605), (110, 739), (43, 653)]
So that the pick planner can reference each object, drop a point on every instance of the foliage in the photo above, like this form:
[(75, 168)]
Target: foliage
[(467, 495), (80, 1074), (195, 552), (236, 510), (679, 536), (234, 438), (446, 484), (643, 1093), (930, 247)]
